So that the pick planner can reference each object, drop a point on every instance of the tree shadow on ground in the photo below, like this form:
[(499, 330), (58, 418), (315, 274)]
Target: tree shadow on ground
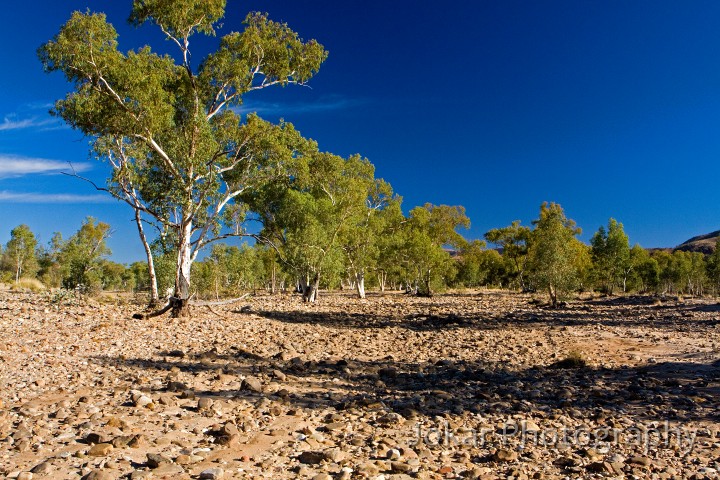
[(676, 316), (673, 391)]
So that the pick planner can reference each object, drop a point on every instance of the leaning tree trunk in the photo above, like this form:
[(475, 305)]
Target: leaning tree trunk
[(154, 296), (360, 284), (182, 274)]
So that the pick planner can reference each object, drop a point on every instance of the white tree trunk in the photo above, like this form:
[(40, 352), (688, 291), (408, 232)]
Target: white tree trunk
[(154, 296), (310, 288), (273, 280), (360, 284), (182, 273)]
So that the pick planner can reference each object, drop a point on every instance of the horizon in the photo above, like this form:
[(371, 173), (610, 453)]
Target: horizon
[(609, 110)]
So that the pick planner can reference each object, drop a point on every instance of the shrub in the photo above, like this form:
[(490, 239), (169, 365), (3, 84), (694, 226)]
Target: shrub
[(574, 359)]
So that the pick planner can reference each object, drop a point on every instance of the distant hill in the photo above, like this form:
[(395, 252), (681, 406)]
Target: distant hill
[(702, 243)]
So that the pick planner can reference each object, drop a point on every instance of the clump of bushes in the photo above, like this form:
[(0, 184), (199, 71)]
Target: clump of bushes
[(574, 359)]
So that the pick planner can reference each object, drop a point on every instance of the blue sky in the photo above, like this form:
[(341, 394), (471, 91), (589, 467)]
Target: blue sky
[(610, 108)]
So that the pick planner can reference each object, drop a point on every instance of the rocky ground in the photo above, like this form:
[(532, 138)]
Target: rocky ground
[(481, 385)]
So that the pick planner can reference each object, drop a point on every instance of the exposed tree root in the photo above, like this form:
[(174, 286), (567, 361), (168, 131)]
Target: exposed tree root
[(174, 301)]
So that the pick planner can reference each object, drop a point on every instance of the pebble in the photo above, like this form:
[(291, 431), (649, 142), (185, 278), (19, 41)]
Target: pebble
[(311, 390), (212, 474), (100, 450), (99, 475)]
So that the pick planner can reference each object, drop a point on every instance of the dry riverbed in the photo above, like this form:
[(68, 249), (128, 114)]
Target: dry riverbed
[(477, 385)]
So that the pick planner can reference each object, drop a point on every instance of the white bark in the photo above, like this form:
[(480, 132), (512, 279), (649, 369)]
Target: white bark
[(360, 284), (310, 288), (184, 263), (154, 296)]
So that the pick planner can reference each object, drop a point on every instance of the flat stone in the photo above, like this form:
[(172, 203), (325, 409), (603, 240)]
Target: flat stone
[(641, 461), (334, 455), (169, 470), (252, 384), (100, 450), (42, 468), (154, 460), (505, 455), (311, 458), (205, 403), (212, 474), (99, 474)]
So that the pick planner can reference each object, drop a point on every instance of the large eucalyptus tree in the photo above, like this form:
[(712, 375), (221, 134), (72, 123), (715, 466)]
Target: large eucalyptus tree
[(180, 153)]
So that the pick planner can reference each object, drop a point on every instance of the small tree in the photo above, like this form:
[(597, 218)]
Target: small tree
[(640, 273), (713, 268), (611, 255), (80, 257), (429, 230), (514, 240), (389, 242), (552, 255), (361, 240), (307, 217), (583, 265), (478, 266), (49, 261), (19, 255)]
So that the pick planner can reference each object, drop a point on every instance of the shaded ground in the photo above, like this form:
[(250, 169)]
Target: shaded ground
[(457, 386)]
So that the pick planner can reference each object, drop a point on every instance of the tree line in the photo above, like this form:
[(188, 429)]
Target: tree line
[(197, 171), (421, 253)]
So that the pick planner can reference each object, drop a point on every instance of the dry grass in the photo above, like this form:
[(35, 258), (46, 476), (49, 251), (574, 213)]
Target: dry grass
[(574, 359), (31, 284)]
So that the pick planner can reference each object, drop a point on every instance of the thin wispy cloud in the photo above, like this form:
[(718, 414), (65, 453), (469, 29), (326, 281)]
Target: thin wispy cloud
[(326, 104), (40, 105), (49, 198), (18, 166), (11, 122)]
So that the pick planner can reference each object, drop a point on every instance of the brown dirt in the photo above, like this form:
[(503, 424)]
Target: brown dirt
[(282, 389)]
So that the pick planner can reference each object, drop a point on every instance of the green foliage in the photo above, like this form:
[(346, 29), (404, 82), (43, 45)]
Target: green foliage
[(389, 263), (19, 255), (309, 213), (81, 256), (427, 232), (115, 276), (179, 17), (644, 272), (363, 239), (681, 272), (611, 255), (514, 241), (51, 272), (713, 268), (179, 155), (478, 266), (583, 264), (553, 252), (229, 270)]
